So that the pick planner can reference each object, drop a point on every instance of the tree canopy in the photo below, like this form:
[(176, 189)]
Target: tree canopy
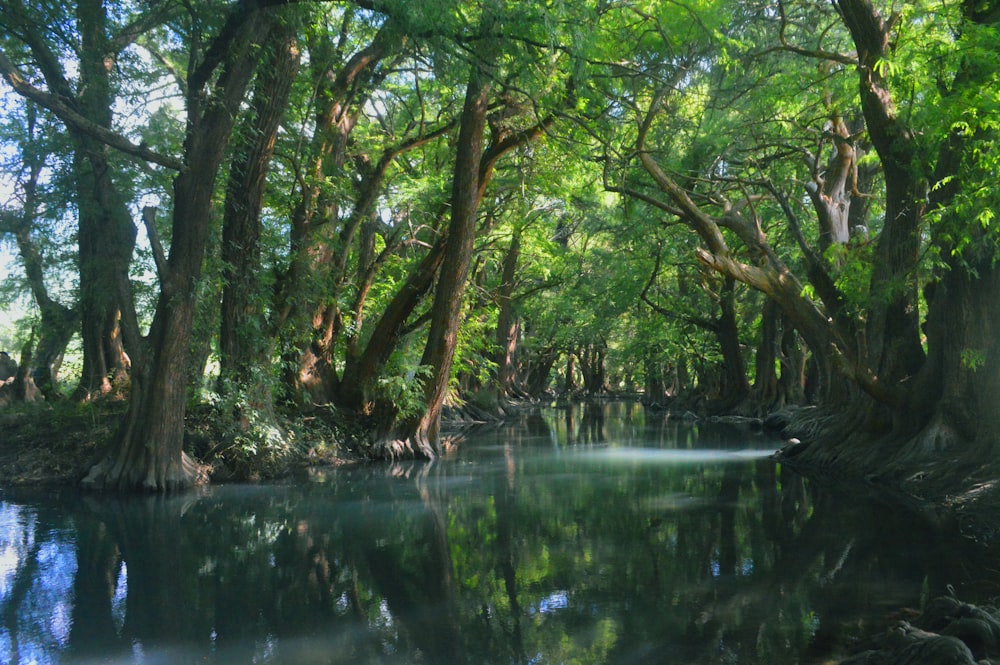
[(385, 209)]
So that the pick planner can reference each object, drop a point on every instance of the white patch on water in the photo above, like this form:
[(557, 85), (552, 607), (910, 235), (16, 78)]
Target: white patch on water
[(673, 456), (673, 502)]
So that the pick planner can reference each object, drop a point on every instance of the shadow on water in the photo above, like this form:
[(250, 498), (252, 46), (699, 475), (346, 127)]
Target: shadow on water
[(593, 534)]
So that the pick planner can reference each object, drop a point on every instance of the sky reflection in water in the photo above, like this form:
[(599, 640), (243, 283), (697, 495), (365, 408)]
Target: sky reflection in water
[(587, 535)]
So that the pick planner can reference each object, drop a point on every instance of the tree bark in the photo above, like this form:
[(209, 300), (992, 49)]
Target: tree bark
[(316, 272), (792, 365), (832, 190), (654, 385), (893, 332), (421, 437), (244, 349), (507, 325), (735, 384), (59, 323), (592, 368), (107, 233), (766, 388), (539, 374), (148, 452)]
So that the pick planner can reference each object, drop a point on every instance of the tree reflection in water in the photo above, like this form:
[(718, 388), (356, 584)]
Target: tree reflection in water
[(591, 535)]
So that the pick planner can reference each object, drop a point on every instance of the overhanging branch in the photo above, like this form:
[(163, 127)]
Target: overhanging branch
[(76, 121)]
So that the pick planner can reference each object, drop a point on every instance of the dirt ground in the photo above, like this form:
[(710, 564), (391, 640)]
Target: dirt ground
[(41, 445), (48, 445)]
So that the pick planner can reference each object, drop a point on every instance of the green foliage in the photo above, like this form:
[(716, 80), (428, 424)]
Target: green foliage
[(852, 269), (405, 391), (973, 359), (738, 111), (249, 440)]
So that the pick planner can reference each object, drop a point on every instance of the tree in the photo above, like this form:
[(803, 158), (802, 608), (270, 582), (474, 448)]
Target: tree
[(244, 351), (59, 322), (467, 191), (106, 235), (949, 386), (148, 452)]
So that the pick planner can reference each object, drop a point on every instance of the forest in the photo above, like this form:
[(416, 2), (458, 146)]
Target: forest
[(381, 213)]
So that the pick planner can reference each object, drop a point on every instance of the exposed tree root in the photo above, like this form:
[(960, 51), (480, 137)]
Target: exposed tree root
[(113, 474), (949, 632)]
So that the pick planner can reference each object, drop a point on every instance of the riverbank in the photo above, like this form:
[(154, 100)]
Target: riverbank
[(945, 483), (46, 445), (43, 444)]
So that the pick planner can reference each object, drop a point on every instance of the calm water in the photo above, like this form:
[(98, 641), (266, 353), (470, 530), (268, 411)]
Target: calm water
[(591, 535)]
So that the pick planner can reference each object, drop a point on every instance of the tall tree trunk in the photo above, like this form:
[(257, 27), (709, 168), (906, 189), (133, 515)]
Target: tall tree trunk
[(315, 273), (962, 375), (766, 388), (356, 391), (893, 333), (655, 385), (421, 437), (107, 234), (148, 452), (592, 368), (507, 326), (106, 240), (735, 384), (792, 378), (244, 350), (59, 323), (956, 386), (540, 371), (569, 375)]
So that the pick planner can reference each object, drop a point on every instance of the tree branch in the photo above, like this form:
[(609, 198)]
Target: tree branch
[(65, 111), (162, 267), (849, 59), (156, 13)]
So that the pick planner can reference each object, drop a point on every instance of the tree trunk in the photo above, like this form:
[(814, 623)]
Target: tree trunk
[(148, 453), (592, 368), (107, 234), (106, 240), (507, 325), (569, 375), (793, 379), (831, 190), (735, 385), (893, 333), (356, 391), (655, 385), (59, 323), (963, 376), (767, 392), (421, 437), (244, 350), (540, 371), (316, 271)]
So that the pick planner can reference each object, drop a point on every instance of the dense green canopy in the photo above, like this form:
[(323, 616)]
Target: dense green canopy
[(388, 207)]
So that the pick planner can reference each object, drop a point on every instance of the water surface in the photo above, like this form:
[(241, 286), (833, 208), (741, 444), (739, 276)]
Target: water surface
[(597, 534)]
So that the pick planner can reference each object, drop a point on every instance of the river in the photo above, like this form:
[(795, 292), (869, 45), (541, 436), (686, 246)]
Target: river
[(591, 534)]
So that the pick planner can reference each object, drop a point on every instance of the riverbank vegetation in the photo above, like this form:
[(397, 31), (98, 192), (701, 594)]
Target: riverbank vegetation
[(271, 212)]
